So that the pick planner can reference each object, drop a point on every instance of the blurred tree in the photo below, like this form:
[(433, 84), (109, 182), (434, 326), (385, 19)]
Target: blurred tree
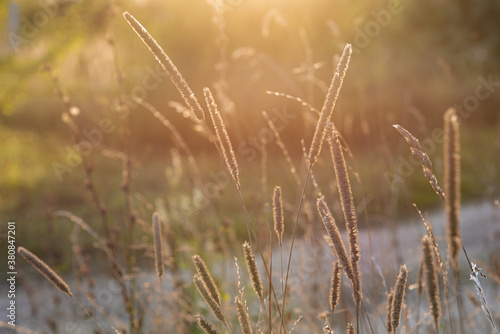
[(422, 53)]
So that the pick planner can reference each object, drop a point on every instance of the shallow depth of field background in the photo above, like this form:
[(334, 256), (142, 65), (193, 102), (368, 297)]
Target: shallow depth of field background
[(412, 60)]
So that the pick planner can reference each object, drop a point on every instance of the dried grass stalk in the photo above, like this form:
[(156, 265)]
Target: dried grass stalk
[(212, 304), (80, 222), (263, 164), (410, 139), (317, 189), (205, 325), (335, 284), (279, 220), (347, 202), (329, 105), (399, 293), (45, 270), (420, 275), (222, 136), (169, 67), (431, 280), (253, 271), (243, 317), (345, 192), (390, 298), (294, 98), (417, 152), (350, 328), (422, 157), (157, 245), (474, 276), (177, 137), (452, 183), (338, 244), (207, 279), (282, 146)]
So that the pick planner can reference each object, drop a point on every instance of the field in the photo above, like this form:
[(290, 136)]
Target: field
[(170, 170)]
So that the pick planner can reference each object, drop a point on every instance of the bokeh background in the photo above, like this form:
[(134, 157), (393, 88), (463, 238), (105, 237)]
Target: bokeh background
[(412, 60)]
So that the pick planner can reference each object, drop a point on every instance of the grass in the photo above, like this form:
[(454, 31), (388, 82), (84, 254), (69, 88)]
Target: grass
[(32, 187), (234, 207)]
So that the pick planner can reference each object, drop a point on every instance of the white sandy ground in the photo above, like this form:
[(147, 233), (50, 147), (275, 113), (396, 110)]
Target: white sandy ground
[(480, 226)]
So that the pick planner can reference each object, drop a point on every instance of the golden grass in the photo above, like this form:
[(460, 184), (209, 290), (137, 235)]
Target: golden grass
[(451, 160), (45, 270), (268, 315), (329, 106), (397, 300), (253, 271), (169, 67), (431, 281)]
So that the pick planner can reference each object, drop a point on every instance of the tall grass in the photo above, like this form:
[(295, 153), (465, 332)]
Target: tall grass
[(213, 298)]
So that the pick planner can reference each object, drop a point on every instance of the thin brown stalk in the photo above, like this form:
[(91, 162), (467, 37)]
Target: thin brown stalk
[(418, 153), (474, 276), (350, 328), (345, 193), (329, 105), (279, 220), (368, 229), (335, 284), (294, 98), (251, 232), (431, 281), (243, 317), (185, 112), (282, 146), (313, 177), (69, 118), (347, 202), (178, 139), (390, 298), (116, 271), (80, 222), (222, 38), (157, 237), (45, 270), (452, 183), (253, 271), (316, 143), (420, 274), (207, 279), (222, 136), (263, 165), (338, 244), (169, 67), (420, 289), (213, 304), (205, 325), (439, 262), (55, 279), (399, 293), (296, 322)]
